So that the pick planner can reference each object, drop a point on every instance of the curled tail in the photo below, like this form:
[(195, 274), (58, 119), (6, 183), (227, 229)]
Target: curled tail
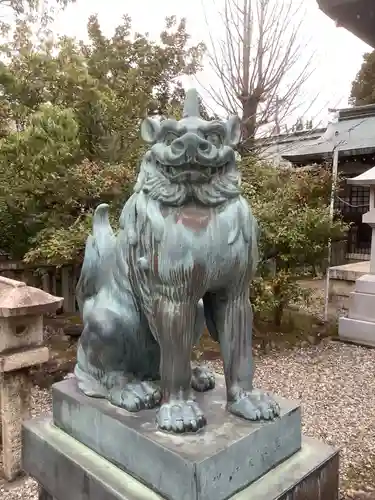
[(98, 245)]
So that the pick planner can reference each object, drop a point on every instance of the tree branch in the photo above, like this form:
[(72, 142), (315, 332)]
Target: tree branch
[(258, 60)]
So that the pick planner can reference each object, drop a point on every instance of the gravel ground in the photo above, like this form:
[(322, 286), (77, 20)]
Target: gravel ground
[(336, 385)]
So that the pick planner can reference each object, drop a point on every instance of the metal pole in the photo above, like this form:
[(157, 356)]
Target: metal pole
[(335, 164)]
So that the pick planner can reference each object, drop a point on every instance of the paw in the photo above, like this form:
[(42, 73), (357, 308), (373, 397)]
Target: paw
[(135, 396), (254, 405), (180, 416), (202, 379)]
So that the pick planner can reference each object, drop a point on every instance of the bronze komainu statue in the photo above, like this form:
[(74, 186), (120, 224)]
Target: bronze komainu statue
[(184, 256)]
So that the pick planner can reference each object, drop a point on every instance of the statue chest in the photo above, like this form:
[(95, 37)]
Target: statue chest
[(190, 218), (195, 236), (201, 244)]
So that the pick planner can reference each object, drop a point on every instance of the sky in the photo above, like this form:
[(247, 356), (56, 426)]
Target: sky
[(337, 53)]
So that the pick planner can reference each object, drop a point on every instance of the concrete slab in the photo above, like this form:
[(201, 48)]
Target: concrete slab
[(351, 271), (362, 306), (365, 284), (357, 331), (66, 469), (228, 455)]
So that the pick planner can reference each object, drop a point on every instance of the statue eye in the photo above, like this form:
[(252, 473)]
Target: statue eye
[(169, 138), (215, 139)]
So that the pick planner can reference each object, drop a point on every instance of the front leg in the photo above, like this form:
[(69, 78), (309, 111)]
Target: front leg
[(174, 325), (203, 379), (232, 317)]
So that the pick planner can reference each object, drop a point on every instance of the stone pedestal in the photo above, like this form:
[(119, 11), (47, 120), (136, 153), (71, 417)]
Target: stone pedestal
[(342, 282), (92, 450), (69, 470), (359, 326), (21, 338), (213, 464)]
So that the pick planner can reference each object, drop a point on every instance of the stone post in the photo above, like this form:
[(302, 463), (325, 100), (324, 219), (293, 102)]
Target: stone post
[(359, 326), (369, 218), (21, 347)]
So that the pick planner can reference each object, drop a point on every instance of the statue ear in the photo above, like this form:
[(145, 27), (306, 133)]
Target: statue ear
[(149, 130), (233, 130)]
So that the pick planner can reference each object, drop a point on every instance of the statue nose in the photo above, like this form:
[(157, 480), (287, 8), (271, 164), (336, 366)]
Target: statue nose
[(204, 146), (190, 144), (178, 146)]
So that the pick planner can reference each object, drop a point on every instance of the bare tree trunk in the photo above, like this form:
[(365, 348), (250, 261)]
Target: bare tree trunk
[(258, 62)]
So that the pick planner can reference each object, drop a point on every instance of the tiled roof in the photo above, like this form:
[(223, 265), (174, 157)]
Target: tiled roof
[(353, 134)]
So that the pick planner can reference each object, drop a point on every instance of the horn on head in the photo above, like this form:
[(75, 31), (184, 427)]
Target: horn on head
[(191, 104)]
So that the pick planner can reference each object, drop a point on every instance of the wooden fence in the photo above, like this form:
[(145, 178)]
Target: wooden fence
[(59, 281)]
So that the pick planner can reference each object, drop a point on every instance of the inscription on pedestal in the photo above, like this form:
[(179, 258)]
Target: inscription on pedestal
[(229, 454), (310, 474)]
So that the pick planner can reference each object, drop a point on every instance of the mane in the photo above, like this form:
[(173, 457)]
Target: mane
[(219, 188), (153, 189)]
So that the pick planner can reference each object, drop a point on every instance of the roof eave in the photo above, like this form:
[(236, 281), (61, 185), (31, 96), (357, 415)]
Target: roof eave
[(318, 157), (335, 10)]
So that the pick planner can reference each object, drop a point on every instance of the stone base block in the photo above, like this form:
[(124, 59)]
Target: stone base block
[(362, 306), (365, 284), (68, 470), (226, 456), (357, 331), (24, 358)]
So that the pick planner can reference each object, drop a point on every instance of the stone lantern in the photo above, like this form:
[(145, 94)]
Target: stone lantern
[(359, 326), (21, 347)]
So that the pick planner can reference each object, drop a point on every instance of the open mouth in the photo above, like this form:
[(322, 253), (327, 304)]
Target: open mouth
[(191, 172)]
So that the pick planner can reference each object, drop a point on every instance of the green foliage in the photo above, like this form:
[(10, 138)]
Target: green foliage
[(69, 139), (363, 87), (69, 128), (292, 207)]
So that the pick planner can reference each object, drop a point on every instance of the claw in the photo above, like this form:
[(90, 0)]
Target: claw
[(254, 405), (202, 379), (180, 416), (135, 396)]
